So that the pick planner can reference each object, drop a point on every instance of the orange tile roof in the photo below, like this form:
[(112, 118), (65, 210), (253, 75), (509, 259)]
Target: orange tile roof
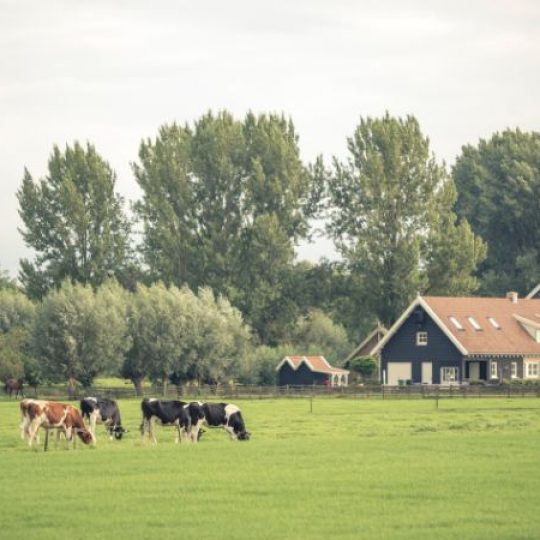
[(317, 363), (511, 338)]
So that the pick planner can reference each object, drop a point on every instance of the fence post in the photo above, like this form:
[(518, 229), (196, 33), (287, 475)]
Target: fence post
[(437, 397), (382, 387)]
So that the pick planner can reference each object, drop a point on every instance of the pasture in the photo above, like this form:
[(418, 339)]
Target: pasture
[(351, 469)]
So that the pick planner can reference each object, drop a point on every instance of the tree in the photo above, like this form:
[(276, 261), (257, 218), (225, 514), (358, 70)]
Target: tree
[(221, 201), (6, 282), (74, 221), (498, 182), (16, 319), (391, 217), (319, 334), (80, 333), (365, 366)]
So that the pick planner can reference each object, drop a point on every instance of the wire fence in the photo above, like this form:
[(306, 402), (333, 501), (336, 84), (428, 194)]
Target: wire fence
[(213, 392)]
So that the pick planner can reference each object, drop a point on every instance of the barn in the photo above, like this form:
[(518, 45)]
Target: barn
[(310, 370), (453, 340)]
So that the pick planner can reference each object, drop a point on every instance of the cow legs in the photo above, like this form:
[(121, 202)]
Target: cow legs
[(32, 429)]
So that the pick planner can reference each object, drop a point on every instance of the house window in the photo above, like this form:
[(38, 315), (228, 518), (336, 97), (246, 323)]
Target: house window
[(514, 370), (533, 369), (474, 324), (456, 323), (494, 323), (493, 368), (449, 375), (421, 338)]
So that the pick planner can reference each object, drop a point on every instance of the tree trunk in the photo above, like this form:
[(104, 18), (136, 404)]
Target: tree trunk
[(71, 388), (138, 383), (165, 384)]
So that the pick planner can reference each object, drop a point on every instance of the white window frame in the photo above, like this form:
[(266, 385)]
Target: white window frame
[(493, 373), (421, 339), (446, 378), (456, 323), (533, 370), (514, 370), (494, 323), (474, 323)]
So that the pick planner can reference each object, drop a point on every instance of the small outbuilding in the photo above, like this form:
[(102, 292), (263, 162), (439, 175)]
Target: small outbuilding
[(310, 370)]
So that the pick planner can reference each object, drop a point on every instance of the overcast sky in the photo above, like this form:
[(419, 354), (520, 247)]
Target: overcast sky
[(111, 72)]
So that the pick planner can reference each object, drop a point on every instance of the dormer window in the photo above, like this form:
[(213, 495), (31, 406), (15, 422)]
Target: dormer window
[(494, 323), (421, 338), (456, 323), (474, 324)]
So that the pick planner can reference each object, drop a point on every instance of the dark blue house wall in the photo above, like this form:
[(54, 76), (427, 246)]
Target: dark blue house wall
[(302, 376), (439, 349)]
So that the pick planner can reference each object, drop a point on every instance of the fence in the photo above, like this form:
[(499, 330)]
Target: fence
[(212, 392)]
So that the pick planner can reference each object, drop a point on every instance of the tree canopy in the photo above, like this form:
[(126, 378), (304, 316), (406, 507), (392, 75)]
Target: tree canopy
[(498, 182), (74, 221)]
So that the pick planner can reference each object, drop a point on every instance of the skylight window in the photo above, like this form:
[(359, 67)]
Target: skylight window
[(456, 323), (494, 323), (474, 324)]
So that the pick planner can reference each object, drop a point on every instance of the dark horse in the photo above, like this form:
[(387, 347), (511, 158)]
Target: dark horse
[(14, 385)]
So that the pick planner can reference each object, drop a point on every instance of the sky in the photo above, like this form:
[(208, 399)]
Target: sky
[(111, 72)]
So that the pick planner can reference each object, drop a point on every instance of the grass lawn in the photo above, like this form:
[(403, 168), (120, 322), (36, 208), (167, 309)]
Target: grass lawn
[(351, 469)]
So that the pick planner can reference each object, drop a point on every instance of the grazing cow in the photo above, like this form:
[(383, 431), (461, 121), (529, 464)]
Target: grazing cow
[(14, 385), (227, 416), (53, 415), (167, 413), (104, 410)]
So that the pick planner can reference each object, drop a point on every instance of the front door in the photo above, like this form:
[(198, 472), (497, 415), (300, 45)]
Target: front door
[(474, 371), (427, 372)]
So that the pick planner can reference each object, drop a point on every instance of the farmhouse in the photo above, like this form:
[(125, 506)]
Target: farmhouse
[(309, 370), (451, 340)]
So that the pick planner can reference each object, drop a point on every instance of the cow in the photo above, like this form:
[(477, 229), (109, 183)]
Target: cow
[(225, 415), (167, 413), (14, 385), (53, 415), (105, 410)]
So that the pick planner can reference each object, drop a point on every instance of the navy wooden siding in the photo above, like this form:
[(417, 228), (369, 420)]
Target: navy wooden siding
[(302, 376), (439, 349)]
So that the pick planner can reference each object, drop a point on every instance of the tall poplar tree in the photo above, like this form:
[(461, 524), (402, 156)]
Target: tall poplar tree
[(223, 202), (74, 221), (391, 216)]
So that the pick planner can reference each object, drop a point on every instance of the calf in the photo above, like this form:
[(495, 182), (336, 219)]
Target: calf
[(167, 413), (103, 410), (53, 415), (227, 416)]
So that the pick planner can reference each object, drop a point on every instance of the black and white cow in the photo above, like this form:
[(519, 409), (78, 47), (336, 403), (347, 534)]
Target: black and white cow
[(225, 415), (167, 413), (103, 410)]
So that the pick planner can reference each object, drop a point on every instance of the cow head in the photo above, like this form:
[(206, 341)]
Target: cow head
[(118, 432), (244, 436), (85, 436)]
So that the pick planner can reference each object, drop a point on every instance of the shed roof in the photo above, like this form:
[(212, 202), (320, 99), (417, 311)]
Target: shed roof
[(318, 364)]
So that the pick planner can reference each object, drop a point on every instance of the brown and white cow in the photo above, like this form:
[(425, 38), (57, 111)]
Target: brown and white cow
[(52, 415)]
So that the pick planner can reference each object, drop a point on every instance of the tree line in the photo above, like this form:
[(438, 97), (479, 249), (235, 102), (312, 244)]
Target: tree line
[(224, 203)]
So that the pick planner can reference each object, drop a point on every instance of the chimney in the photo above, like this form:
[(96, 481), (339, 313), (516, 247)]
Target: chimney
[(512, 296)]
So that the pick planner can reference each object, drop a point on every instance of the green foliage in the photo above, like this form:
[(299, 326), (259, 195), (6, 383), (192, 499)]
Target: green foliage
[(74, 221), (80, 333), (318, 333), (499, 194), (363, 365), (180, 336), (15, 310), (223, 202), (391, 217), (6, 282), (260, 367)]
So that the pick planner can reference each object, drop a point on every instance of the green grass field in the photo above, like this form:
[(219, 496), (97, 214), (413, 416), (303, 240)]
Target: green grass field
[(351, 469)]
